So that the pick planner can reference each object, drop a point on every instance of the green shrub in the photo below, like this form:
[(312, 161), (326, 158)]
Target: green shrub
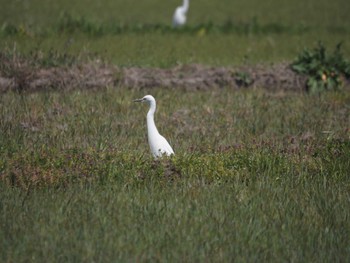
[(324, 70)]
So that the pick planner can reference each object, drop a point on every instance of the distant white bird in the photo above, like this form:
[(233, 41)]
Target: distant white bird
[(157, 142), (179, 18)]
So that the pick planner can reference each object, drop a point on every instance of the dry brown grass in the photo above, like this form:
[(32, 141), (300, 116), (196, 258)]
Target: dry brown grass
[(19, 74)]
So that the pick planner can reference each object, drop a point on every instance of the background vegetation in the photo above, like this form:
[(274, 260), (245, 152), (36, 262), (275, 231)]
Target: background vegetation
[(134, 33), (257, 176)]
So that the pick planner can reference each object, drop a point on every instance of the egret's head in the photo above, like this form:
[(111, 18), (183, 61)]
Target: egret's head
[(148, 98)]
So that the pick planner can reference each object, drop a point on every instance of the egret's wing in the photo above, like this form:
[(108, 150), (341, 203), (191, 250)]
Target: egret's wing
[(166, 147)]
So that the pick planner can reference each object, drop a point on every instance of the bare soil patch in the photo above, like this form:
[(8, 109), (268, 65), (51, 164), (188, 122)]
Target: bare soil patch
[(200, 77), (22, 76)]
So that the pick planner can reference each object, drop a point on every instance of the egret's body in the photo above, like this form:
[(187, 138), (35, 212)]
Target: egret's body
[(158, 144), (179, 18)]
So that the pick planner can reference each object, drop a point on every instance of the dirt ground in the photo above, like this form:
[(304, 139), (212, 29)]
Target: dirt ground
[(95, 75)]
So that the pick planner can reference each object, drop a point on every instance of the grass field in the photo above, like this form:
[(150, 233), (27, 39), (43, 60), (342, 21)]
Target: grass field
[(258, 175), (240, 32)]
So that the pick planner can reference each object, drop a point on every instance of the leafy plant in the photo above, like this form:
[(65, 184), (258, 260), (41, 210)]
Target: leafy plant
[(324, 70), (243, 79)]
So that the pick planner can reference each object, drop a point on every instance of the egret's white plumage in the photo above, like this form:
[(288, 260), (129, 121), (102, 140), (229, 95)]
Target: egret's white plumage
[(179, 18), (158, 144)]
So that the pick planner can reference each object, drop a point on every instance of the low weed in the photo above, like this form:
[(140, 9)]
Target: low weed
[(243, 79)]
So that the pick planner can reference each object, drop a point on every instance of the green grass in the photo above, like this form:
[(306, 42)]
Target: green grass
[(128, 34), (172, 50), (263, 221), (256, 177)]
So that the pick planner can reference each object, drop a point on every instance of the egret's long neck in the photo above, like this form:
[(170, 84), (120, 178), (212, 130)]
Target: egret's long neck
[(185, 5), (151, 126)]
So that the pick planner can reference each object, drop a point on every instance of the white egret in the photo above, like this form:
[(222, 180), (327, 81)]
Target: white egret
[(158, 144), (179, 18)]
